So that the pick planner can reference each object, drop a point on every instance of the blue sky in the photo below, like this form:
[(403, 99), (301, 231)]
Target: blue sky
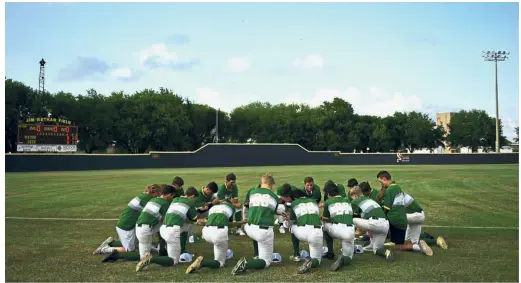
[(381, 57)]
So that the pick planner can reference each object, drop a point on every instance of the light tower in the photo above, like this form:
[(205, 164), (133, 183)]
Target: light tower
[(496, 56), (41, 79)]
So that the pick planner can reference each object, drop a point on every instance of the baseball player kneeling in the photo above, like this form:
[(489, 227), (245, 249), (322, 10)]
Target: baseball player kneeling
[(372, 219), (338, 218), (306, 227), (261, 212), (181, 209), (215, 231)]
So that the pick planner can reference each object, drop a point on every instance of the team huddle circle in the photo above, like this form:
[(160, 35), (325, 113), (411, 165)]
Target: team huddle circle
[(363, 219)]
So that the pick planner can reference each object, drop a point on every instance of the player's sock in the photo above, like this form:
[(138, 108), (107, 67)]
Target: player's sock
[(329, 242), (347, 261), (184, 238), (296, 244), (132, 256), (210, 263), (162, 260), (255, 248), (162, 247), (238, 216), (315, 263), (255, 264), (119, 244)]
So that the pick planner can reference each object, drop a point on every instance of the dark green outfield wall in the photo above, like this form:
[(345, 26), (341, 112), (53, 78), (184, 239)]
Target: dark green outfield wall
[(237, 155)]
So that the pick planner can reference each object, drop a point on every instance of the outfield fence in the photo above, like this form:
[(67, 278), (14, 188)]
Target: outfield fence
[(239, 155)]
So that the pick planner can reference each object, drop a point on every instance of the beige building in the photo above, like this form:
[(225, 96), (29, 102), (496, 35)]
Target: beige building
[(443, 120)]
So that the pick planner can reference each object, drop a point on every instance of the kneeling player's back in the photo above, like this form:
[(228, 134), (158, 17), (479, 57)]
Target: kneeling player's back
[(179, 210), (262, 206), (153, 212), (305, 211), (339, 210), (219, 215), (367, 208), (128, 219)]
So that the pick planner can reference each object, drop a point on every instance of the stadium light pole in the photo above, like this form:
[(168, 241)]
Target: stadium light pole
[(496, 56)]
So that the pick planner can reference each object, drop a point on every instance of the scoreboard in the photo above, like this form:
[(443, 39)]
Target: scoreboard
[(47, 138)]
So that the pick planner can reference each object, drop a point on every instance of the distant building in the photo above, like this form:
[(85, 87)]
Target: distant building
[(443, 120)]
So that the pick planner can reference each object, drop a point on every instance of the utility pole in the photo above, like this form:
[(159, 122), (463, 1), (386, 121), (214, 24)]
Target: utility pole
[(496, 56), (217, 126)]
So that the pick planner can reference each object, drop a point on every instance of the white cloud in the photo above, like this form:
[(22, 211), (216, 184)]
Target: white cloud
[(238, 64), (121, 73), (159, 52), (310, 61), (374, 101), (208, 96)]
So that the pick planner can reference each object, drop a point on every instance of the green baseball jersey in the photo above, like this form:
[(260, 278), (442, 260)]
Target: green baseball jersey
[(305, 211), (180, 192), (153, 212), (247, 197), (279, 190), (262, 207), (202, 199), (394, 203), (342, 191), (220, 214), (128, 219), (179, 211), (367, 208), (338, 209), (412, 205), (374, 195), (224, 194), (314, 194)]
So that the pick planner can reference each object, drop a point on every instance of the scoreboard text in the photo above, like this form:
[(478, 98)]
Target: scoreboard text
[(33, 134)]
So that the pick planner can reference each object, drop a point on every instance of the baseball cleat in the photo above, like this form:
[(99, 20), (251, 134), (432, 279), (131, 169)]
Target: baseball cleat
[(240, 232), (256, 257), (113, 256), (294, 258), (240, 266), (305, 267), (195, 265), (337, 264), (440, 241), (282, 230), (104, 244), (143, 264), (389, 255), (425, 248)]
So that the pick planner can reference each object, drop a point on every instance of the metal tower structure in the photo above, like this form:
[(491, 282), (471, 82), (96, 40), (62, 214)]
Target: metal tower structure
[(41, 79)]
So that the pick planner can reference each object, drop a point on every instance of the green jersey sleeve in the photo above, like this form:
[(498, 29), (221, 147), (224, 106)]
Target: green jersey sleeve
[(325, 213), (192, 213), (221, 192)]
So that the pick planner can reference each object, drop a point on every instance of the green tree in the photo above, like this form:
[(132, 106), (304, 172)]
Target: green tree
[(474, 129)]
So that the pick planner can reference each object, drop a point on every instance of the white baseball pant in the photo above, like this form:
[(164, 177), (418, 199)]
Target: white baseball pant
[(172, 236), (265, 239), (145, 235), (414, 227), (219, 238), (127, 238), (344, 233), (378, 228), (287, 209), (314, 236)]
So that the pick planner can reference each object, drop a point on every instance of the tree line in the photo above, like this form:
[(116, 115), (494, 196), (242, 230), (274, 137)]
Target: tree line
[(161, 120)]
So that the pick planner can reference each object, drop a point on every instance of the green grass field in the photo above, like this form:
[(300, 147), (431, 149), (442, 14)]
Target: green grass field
[(455, 196)]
